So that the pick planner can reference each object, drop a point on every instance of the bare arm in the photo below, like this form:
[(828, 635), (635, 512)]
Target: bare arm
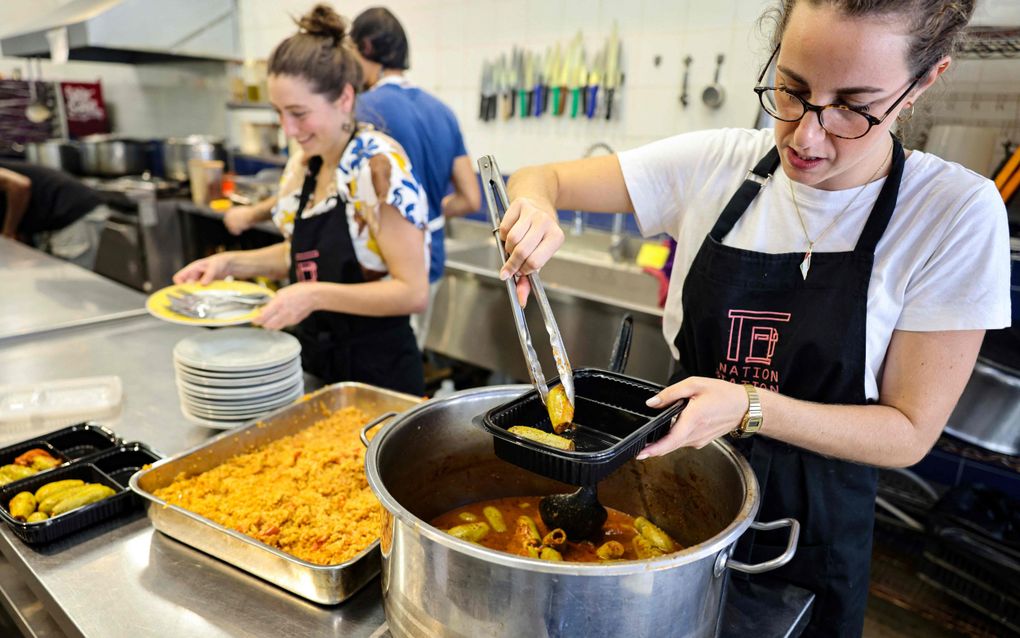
[(530, 226), (240, 218), (18, 189), (271, 261), (406, 291), (466, 196), (924, 375)]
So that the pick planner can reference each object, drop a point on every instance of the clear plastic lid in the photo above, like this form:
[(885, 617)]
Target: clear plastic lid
[(55, 403)]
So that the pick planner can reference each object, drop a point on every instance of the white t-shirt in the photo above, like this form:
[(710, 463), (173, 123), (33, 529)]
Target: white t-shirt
[(942, 263)]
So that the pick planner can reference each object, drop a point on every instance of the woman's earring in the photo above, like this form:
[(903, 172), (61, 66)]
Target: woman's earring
[(905, 115), (347, 127)]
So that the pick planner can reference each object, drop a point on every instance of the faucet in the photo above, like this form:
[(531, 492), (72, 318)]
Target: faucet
[(578, 226), (617, 239)]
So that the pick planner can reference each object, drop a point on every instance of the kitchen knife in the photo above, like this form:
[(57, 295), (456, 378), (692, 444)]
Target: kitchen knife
[(536, 93), (594, 79), (524, 84), (578, 88), (483, 105), (567, 72), (513, 80), (612, 69), (552, 61)]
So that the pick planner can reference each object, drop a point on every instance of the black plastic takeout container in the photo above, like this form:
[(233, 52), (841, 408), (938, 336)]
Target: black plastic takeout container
[(66, 444), (613, 425), (112, 466)]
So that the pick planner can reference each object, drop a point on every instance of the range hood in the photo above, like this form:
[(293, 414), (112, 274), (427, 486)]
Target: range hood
[(132, 31)]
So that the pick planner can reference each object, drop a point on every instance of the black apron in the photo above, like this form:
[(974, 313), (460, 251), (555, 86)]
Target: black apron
[(751, 317), (336, 346)]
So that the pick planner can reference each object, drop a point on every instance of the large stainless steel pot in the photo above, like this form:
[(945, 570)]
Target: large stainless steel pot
[(112, 156), (62, 155), (178, 150), (432, 459)]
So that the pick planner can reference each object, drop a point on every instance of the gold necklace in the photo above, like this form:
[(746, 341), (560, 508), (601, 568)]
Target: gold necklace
[(805, 265)]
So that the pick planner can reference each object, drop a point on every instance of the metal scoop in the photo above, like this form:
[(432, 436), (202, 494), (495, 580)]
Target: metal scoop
[(495, 193), (36, 111), (580, 514)]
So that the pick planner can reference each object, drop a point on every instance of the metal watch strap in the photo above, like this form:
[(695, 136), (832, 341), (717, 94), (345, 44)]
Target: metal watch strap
[(752, 420)]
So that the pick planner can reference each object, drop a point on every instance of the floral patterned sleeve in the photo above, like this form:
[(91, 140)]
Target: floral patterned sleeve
[(363, 160)]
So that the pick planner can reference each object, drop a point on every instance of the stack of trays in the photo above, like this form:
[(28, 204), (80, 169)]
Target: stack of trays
[(230, 376)]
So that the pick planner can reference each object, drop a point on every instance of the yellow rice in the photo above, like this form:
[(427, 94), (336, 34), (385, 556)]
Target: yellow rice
[(305, 494)]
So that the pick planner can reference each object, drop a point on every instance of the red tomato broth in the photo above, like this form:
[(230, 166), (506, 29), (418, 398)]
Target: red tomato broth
[(618, 527)]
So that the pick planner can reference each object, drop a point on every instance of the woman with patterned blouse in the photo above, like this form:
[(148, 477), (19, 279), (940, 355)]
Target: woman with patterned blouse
[(353, 218)]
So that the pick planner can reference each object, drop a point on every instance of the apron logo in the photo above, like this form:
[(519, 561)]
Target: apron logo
[(752, 344), (306, 269)]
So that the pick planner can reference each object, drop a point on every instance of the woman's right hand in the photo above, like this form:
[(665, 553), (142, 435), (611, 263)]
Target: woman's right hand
[(531, 234), (205, 270)]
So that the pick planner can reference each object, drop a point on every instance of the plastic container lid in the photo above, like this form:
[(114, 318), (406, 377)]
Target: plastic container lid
[(51, 404)]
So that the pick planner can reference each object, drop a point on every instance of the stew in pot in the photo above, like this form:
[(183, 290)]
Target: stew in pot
[(513, 525)]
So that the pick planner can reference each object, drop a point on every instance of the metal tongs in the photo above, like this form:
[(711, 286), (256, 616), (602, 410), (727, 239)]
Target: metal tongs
[(495, 192)]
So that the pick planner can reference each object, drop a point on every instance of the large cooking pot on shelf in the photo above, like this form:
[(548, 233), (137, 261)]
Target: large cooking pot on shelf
[(432, 459), (62, 155), (112, 156), (177, 151)]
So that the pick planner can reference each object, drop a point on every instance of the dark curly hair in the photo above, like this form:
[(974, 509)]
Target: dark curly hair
[(320, 52), (935, 25)]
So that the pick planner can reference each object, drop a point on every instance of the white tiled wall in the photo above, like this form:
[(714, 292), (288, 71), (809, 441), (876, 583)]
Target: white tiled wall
[(150, 100), (449, 40)]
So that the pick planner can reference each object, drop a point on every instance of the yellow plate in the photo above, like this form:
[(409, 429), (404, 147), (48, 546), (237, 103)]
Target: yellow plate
[(158, 303)]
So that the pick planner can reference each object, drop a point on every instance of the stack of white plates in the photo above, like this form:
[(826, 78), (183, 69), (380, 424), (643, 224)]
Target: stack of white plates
[(230, 376)]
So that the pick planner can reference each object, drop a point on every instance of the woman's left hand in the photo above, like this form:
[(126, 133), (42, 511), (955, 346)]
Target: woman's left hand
[(290, 306), (714, 408)]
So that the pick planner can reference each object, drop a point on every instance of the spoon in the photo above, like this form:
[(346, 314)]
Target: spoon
[(36, 112), (580, 514)]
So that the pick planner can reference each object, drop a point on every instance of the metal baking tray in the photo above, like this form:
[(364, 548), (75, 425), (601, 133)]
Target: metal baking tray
[(321, 584)]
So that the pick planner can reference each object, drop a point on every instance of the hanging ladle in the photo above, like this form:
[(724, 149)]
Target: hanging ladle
[(36, 111), (580, 514), (714, 94)]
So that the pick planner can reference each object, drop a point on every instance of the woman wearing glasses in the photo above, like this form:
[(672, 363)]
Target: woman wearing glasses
[(830, 290)]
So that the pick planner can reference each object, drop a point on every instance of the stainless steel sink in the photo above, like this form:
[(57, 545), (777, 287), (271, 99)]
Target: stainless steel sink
[(573, 274), (589, 293)]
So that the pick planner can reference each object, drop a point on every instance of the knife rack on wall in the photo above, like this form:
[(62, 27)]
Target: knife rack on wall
[(559, 82)]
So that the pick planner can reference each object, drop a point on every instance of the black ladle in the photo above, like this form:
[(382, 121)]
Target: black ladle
[(580, 514)]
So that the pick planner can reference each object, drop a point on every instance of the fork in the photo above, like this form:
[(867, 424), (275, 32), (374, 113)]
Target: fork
[(218, 297), (198, 307)]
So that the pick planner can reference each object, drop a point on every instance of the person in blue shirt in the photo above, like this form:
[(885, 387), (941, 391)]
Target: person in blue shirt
[(421, 123)]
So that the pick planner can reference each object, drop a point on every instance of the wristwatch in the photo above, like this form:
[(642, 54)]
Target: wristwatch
[(752, 420)]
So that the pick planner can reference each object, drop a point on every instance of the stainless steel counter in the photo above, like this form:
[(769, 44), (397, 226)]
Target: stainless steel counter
[(122, 578), (41, 293)]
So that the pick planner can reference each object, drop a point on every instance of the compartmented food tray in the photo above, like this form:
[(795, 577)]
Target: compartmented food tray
[(330, 584), (66, 444), (112, 467), (613, 425)]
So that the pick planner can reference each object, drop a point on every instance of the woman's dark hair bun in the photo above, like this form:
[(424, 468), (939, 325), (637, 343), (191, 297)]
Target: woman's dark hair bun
[(324, 22)]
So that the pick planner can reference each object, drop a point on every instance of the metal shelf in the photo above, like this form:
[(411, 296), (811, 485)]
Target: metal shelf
[(990, 43), (259, 106)]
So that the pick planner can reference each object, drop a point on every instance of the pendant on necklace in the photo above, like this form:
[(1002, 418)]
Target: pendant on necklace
[(805, 265)]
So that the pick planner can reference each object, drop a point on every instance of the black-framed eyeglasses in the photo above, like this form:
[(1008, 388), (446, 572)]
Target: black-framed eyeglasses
[(838, 120)]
